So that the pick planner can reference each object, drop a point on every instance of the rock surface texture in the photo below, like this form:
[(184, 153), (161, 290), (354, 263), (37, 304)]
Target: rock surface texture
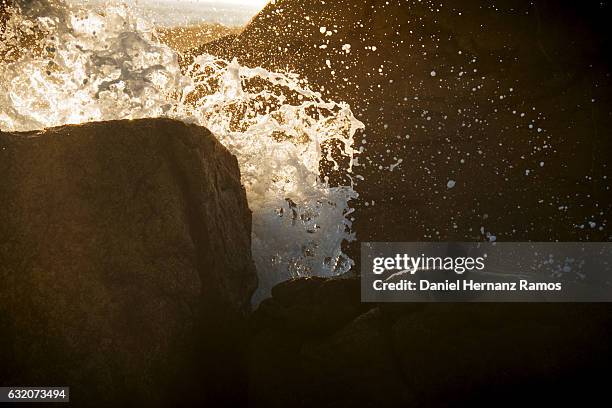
[(314, 344), (125, 260)]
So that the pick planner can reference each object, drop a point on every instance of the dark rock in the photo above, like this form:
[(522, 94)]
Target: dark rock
[(299, 344), (357, 363), (310, 306), (461, 354), (125, 261), (299, 311), (434, 355)]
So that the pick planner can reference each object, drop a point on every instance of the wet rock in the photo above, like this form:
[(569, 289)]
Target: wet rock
[(313, 305), (314, 342), (434, 355), (125, 261)]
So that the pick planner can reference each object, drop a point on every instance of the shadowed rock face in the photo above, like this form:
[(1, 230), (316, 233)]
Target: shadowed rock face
[(125, 260), (315, 344), (510, 101)]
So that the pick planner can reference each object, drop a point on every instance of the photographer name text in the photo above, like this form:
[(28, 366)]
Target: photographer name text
[(465, 285)]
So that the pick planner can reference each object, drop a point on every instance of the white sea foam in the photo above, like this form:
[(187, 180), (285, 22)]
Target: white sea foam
[(94, 67)]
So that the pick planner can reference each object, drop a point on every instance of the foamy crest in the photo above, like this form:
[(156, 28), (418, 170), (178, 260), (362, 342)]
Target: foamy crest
[(92, 67), (84, 67)]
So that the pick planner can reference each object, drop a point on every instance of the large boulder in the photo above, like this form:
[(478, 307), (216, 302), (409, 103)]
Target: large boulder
[(125, 262), (314, 344), (481, 120)]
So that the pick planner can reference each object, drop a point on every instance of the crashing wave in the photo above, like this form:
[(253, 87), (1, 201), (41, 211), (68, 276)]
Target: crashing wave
[(84, 66)]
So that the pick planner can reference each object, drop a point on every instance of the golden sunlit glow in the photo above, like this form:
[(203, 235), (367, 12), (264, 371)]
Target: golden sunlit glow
[(99, 67)]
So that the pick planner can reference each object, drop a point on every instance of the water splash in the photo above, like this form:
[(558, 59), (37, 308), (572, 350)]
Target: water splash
[(81, 66), (93, 67)]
